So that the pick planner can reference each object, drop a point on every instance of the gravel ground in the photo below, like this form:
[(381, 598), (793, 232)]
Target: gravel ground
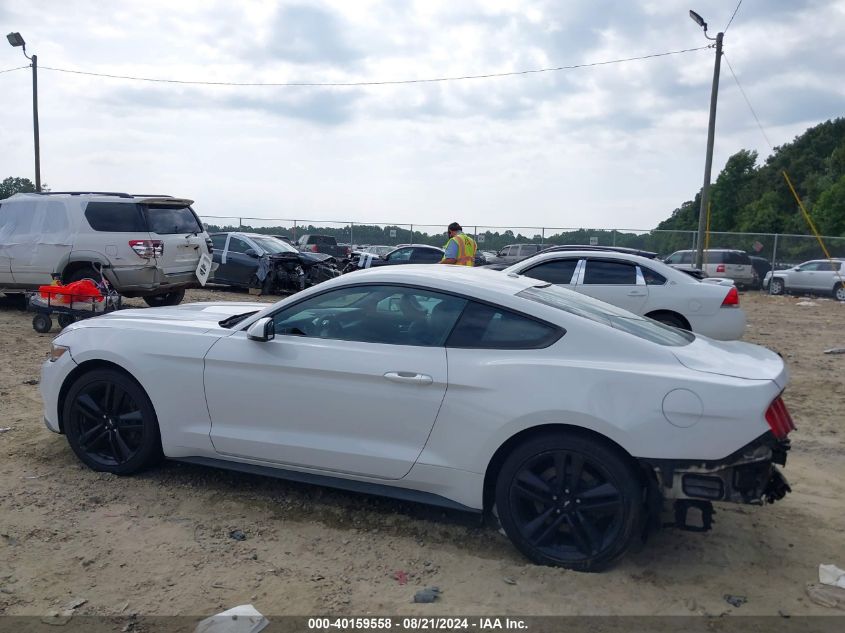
[(159, 544)]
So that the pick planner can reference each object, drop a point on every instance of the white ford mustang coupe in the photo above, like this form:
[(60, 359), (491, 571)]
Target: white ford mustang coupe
[(574, 422)]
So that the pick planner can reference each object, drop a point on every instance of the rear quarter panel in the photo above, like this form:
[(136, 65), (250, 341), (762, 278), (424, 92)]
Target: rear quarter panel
[(612, 386)]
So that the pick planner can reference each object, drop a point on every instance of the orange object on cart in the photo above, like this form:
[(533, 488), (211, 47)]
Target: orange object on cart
[(84, 290)]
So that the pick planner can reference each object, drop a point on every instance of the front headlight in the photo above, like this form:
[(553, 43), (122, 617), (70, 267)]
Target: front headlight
[(57, 351)]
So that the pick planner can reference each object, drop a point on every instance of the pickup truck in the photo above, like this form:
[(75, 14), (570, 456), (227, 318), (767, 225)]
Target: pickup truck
[(314, 243)]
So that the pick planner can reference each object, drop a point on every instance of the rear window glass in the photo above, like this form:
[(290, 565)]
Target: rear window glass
[(169, 220), (587, 308), (485, 327), (321, 239), (115, 217)]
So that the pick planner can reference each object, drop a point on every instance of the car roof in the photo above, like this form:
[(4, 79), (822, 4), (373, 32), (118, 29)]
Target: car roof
[(612, 249), (417, 246), (111, 196), (652, 264)]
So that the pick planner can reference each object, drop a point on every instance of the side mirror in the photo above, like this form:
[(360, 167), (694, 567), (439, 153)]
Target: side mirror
[(262, 330), (250, 252)]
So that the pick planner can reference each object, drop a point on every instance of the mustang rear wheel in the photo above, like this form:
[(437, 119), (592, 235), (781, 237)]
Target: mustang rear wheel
[(569, 501), (110, 423)]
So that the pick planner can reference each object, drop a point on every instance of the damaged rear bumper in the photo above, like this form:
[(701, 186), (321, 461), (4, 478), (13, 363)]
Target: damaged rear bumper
[(748, 476)]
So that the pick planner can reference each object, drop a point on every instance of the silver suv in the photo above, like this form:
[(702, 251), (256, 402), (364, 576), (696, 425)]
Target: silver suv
[(820, 275), (146, 246), (719, 262)]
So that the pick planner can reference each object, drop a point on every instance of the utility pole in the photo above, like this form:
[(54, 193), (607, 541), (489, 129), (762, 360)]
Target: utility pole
[(711, 134), (16, 39)]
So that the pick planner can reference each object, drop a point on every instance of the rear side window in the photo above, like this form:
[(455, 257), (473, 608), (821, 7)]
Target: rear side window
[(485, 327), (115, 217), (426, 256), (600, 272), (556, 272), (219, 242), (170, 221), (652, 278)]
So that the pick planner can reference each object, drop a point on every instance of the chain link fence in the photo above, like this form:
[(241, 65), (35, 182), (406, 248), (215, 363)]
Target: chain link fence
[(780, 250)]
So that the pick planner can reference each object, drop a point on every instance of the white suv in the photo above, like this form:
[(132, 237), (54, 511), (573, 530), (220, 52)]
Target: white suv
[(719, 262), (146, 246)]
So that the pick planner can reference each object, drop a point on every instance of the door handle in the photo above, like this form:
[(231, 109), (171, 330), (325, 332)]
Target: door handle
[(409, 377), (636, 293)]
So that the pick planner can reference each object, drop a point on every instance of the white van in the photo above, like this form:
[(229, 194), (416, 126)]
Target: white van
[(146, 246)]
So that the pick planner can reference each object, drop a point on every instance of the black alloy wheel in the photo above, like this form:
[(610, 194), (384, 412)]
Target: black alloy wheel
[(569, 501), (110, 423)]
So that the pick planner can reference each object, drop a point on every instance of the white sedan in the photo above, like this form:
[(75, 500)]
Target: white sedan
[(570, 420), (643, 286)]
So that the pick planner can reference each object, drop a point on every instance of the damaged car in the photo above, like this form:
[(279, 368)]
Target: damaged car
[(572, 423), (252, 260)]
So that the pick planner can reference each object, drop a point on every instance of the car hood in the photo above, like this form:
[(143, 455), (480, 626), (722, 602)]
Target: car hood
[(199, 315), (732, 358)]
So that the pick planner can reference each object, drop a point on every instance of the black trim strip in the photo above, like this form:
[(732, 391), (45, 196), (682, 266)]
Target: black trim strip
[(352, 485)]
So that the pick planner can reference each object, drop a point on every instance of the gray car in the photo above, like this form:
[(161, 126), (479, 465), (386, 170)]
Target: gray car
[(823, 276)]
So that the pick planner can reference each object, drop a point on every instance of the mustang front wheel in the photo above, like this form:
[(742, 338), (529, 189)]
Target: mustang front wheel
[(569, 501), (110, 423)]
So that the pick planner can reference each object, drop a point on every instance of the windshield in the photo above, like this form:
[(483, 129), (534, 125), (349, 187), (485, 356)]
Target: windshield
[(600, 312), (166, 220), (273, 245)]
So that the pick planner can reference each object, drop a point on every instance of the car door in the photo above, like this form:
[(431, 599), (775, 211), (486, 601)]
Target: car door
[(560, 272), (37, 237), (614, 281), (237, 267), (825, 276), (351, 383), (802, 276)]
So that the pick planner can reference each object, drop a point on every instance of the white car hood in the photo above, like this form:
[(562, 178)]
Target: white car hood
[(202, 315), (732, 358)]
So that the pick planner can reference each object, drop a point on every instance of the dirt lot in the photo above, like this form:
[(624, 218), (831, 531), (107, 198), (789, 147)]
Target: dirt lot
[(159, 544)]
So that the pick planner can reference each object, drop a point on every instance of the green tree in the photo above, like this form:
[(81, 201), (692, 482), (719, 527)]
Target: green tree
[(10, 186)]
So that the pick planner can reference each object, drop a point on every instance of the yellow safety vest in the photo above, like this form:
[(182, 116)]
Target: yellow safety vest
[(466, 249)]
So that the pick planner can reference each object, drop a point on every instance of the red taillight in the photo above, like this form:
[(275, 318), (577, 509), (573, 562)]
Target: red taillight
[(720, 268), (779, 419), (732, 298), (314, 248), (147, 248)]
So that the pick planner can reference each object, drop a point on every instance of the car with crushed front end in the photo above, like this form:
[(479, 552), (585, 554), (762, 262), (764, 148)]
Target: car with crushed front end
[(570, 421)]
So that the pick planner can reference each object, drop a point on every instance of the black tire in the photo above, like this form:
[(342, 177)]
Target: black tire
[(585, 520), (65, 320), (776, 286), (670, 319), (172, 298), (110, 423), (839, 292), (79, 274), (42, 323)]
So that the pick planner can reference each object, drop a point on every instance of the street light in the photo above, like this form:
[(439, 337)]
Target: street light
[(16, 39), (711, 132)]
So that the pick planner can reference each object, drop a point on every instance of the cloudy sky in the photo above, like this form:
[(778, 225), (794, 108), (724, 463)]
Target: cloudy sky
[(611, 146)]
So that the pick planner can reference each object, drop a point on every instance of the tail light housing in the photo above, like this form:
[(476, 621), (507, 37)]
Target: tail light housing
[(731, 299), (720, 268), (779, 419), (147, 248)]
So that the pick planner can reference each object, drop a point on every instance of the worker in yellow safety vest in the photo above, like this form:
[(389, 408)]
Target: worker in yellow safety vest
[(460, 249)]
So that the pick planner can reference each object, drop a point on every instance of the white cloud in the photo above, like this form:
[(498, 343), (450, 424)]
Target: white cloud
[(609, 146)]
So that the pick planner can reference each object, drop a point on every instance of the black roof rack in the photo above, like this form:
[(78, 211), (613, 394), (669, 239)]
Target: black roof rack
[(85, 193), (151, 195)]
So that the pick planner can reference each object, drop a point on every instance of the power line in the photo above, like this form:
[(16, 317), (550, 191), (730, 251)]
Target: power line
[(739, 4), (9, 70), (748, 102), (373, 83)]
